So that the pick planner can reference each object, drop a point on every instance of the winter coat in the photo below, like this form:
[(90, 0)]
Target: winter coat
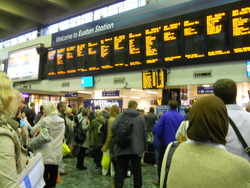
[(52, 151), (138, 136), (13, 156)]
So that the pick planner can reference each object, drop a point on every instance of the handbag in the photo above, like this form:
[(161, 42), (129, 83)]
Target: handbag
[(240, 137), (168, 162)]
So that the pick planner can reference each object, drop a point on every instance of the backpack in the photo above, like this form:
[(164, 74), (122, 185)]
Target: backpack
[(79, 133), (123, 134)]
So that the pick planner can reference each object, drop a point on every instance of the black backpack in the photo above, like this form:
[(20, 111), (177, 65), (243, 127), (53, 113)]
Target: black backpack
[(79, 132), (123, 133)]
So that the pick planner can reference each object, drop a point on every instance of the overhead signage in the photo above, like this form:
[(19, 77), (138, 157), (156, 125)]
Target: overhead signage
[(154, 79), (128, 19), (112, 93), (71, 95), (248, 68), (205, 90), (87, 81), (211, 35)]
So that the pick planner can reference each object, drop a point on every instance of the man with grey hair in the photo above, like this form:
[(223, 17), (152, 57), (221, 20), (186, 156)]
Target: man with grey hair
[(226, 89), (127, 150)]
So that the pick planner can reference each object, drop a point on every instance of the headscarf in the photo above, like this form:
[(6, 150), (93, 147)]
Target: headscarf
[(208, 120)]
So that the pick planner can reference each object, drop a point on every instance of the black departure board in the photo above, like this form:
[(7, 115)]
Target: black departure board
[(212, 35), (154, 79)]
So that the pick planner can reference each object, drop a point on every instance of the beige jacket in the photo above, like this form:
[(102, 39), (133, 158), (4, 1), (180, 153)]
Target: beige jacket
[(12, 155), (52, 151)]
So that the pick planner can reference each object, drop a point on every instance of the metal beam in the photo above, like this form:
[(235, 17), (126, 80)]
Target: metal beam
[(61, 3), (6, 23), (22, 10)]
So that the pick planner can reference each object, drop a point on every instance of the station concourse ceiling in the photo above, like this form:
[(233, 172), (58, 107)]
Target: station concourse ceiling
[(19, 16)]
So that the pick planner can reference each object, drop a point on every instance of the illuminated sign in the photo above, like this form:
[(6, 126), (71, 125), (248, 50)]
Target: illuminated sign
[(87, 81), (248, 68), (212, 35), (153, 80)]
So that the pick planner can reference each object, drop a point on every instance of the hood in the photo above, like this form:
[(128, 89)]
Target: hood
[(131, 113)]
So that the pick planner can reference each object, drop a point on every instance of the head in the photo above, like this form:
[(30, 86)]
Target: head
[(248, 107), (84, 112), (91, 116), (61, 107), (173, 104), (132, 105), (226, 89), (32, 105), (151, 110), (208, 120), (10, 99), (41, 109), (114, 111), (68, 112), (49, 109)]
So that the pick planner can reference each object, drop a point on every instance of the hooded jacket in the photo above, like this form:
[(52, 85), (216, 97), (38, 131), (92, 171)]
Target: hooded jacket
[(12, 154), (138, 136)]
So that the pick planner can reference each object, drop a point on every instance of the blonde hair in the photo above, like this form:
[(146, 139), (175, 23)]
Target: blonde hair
[(49, 108), (10, 98)]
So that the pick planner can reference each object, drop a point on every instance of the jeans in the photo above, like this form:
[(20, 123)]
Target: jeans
[(80, 157), (121, 166)]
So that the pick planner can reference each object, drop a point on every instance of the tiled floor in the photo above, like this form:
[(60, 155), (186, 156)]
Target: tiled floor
[(91, 178)]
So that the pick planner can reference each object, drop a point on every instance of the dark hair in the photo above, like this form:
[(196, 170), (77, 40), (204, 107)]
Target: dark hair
[(91, 116), (151, 110), (132, 104), (173, 104), (60, 105), (41, 108), (226, 90)]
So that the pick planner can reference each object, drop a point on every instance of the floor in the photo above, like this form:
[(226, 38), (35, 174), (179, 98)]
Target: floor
[(91, 178)]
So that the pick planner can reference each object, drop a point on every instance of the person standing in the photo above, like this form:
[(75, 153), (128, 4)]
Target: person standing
[(203, 161), (13, 157), (226, 89), (150, 120), (51, 151), (165, 130), (134, 139)]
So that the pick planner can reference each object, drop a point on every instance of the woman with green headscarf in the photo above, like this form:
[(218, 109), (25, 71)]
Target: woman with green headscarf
[(202, 161)]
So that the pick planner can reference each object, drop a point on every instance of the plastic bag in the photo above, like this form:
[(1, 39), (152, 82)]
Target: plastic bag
[(105, 160), (66, 150)]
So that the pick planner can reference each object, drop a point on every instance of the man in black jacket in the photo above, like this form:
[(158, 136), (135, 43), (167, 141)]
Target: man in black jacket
[(132, 153)]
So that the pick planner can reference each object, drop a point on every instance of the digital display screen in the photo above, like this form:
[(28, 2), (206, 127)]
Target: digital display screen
[(87, 81), (23, 65), (212, 35), (153, 80), (248, 68)]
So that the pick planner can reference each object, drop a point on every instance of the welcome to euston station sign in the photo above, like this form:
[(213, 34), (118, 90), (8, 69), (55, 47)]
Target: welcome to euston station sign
[(70, 35)]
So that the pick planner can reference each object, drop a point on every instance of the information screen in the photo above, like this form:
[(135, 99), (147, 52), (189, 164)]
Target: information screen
[(153, 80), (23, 65), (213, 35)]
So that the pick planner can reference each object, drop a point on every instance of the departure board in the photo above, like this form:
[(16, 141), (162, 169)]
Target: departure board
[(213, 35), (154, 79)]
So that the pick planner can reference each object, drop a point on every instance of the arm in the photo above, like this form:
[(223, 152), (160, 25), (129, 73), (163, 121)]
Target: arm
[(8, 169), (109, 136)]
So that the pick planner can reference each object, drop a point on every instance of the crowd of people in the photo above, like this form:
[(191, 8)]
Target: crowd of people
[(208, 147)]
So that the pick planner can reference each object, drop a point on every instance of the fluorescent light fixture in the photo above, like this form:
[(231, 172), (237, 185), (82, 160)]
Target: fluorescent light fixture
[(137, 90), (84, 92), (152, 92), (134, 97), (206, 85)]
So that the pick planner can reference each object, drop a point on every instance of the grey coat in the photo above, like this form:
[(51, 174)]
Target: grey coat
[(138, 135)]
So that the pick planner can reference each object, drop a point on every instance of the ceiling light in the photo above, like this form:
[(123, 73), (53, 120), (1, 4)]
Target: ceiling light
[(152, 92), (84, 92), (206, 85), (134, 97)]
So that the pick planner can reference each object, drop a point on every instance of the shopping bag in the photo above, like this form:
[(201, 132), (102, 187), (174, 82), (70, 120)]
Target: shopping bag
[(105, 160), (66, 150)]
